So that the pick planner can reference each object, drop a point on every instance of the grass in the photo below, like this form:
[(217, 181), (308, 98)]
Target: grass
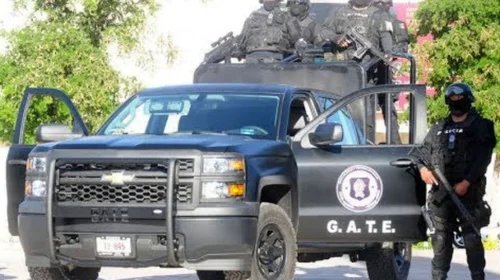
[(489, 244)]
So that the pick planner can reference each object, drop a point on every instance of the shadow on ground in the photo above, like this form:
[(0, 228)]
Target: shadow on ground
[(420, 270)]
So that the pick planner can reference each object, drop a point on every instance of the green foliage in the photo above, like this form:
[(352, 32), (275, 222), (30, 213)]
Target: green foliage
[(424, 245), (64, 46), (101, 20), (490, 243), (466, 48), (59, 55)]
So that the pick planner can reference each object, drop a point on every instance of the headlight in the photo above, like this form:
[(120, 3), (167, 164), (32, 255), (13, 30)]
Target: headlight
[(223, 165), (37, 164), (36, 177), (35, 188), (222, 190)]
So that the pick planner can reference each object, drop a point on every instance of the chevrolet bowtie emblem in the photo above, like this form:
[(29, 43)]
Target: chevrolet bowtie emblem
[(117, 178)]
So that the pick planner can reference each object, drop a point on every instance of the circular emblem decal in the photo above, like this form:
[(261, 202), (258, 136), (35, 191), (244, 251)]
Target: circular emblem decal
[(359, 188)]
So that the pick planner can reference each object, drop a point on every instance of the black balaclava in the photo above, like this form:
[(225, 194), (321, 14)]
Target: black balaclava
[(299, 10), (460, 107)]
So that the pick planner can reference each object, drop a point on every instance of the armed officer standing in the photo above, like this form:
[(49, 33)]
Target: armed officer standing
[(265, 36), (308, 28), (461, 145), (400, 36), (374, 24), (369, 21)]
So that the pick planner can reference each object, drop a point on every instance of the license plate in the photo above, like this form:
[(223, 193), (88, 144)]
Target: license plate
[(114, 246)]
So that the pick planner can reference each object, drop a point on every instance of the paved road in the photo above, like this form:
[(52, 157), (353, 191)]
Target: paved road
[(12, 267), (12, 260)]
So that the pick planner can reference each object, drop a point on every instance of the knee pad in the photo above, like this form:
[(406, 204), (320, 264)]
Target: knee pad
[(441, 240)]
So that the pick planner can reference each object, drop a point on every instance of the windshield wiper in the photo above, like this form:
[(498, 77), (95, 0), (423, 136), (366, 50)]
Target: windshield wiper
[(198, 132)]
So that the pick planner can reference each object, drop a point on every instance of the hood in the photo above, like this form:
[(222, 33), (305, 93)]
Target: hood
[(210, 143)]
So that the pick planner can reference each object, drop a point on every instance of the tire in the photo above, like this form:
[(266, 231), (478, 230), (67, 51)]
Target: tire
[(222, 275), (63, 273), (275, 253), (389, 264)]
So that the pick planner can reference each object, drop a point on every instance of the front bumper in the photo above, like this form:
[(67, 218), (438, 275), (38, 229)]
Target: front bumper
[(174, 227), (225, 243)]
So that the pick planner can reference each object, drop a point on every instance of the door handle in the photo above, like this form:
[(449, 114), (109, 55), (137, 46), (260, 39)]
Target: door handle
[(402, 162), (16, 162)]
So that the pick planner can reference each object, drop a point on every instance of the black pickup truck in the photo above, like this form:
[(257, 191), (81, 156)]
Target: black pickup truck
[(226, 179)]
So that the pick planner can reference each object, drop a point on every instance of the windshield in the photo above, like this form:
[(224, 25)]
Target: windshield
[(255, 115)]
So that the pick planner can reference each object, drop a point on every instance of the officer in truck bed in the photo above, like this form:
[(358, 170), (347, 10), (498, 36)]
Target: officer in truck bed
[(265, 36)]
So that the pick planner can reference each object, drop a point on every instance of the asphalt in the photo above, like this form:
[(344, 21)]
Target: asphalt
[(12, 260)]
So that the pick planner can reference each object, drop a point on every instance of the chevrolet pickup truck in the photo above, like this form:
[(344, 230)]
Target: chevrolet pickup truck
[(231, 180)]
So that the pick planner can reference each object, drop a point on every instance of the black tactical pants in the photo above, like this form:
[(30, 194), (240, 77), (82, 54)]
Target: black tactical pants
[(371, 121), (445, 215), (379, 74)]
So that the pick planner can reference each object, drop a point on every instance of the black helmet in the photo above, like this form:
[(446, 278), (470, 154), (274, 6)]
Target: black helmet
[(299, 8), (270, 5), (461, 106), (303, 2), (459, 88), (360, 3), (383, 1)]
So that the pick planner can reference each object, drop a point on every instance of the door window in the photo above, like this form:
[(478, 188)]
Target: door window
[(44, 109), (300, 115), (351, 129), (364, 108)]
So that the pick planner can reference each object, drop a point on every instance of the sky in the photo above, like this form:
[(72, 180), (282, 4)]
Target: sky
[(191, 24)]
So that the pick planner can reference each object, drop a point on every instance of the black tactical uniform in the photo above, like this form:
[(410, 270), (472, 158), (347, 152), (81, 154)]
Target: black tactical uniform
[(370, 21), (308, 29), (463, 151), (376, 25), (400, 36), (265, 37)]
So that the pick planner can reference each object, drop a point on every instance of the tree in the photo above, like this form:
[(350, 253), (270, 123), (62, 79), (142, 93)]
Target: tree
[(65, 46), (466, 47)]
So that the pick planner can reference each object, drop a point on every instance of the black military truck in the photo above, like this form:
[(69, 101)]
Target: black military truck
[(226, 179)]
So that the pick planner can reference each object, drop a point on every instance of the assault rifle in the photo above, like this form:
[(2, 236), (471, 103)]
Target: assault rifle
[(443, 182), (362, 45), (223, 49)]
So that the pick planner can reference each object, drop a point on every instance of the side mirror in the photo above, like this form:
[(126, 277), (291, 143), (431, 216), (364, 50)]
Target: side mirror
[(55, 132), (327, 134)]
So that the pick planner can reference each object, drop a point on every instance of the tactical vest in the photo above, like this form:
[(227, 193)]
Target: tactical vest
[(303, 29), (400, 36), (452, 146), (347, 18), (369, 23), (266, 31)]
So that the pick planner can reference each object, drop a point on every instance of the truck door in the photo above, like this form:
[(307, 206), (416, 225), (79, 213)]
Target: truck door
[(58, 104), (357, 191)]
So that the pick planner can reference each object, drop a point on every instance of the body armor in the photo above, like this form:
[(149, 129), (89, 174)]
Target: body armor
[(265, 31)]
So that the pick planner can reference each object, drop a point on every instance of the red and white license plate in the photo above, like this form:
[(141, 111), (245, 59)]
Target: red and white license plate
[(114, 246)]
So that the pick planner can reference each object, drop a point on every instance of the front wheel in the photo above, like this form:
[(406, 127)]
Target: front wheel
[(275, 252), (389, 264), (63, 273)]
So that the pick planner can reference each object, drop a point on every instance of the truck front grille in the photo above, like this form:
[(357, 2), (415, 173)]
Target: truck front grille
[(108, 182), (111, 194)]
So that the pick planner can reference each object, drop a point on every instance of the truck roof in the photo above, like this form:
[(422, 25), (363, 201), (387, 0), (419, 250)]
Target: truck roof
[(221, 88)]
